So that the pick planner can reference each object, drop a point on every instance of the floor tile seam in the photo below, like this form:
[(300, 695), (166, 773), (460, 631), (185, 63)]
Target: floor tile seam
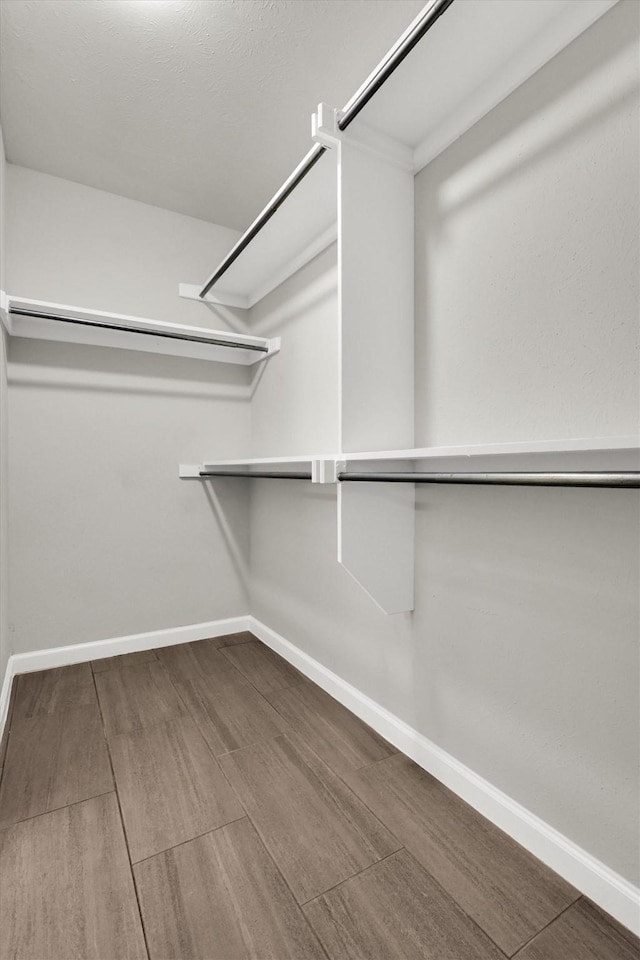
[(353, 876), (408, 849), (64, 705), (254, 743), (4, 761), (620, 928), (267, 851), (6, 732), (280, 872), (47, 813), (63, 806), (122, 822), (448, 895), (523, 946), (349, 787), (272, 856), (248, 679), (367, 766), (181, 843), (144, 726), (194, 720), (122, 666)]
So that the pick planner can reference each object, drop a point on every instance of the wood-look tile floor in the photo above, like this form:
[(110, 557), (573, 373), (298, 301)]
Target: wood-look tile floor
[(207, 802)]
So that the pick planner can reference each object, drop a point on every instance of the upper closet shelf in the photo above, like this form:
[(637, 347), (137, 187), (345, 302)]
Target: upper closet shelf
[(475, 56), (455, 62), (583, 453), (303, 226), (38, 319)]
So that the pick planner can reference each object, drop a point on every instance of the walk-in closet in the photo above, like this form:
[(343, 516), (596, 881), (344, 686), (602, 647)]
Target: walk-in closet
[(319, 479)]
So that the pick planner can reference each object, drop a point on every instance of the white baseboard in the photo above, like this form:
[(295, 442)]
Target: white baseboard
[(608, 889), (113, 647)]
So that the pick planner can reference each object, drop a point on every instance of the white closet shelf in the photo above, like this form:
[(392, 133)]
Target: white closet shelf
[(583, 453), (304, 226), (473, 57), (42, 320)]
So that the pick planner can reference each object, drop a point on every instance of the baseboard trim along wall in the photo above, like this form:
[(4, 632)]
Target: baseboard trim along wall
[(113, 647), (608, 889), (605, 887)]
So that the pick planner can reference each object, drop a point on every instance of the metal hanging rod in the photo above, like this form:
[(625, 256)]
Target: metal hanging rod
[(300, 172), (394, 58), (262, 474), (421, 25), (619, 479), (235, 344), (558, 479)]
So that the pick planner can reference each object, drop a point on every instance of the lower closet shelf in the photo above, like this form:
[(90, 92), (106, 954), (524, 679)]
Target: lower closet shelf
[(376, 517)]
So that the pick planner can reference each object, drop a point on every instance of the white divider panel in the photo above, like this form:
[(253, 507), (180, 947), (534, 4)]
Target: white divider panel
[(375, 259), (376, 523), (375, 263)]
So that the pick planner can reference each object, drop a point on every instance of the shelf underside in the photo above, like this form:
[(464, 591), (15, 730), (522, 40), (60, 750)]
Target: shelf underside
[(600, 453), (477, 53), (474, 56), (41, 320)]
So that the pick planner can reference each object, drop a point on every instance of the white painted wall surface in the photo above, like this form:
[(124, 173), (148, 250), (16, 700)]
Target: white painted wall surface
[(521, 658), (4, 445), (106, 540), (527, 254)]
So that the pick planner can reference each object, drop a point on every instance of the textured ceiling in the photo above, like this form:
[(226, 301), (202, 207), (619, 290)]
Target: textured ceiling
[(199, 106)]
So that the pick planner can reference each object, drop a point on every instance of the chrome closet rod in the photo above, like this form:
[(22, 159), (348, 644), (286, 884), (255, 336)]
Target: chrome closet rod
[(624, 479), (537, 479), (351, 110), (300, 172), (394, 58), (39, 315)]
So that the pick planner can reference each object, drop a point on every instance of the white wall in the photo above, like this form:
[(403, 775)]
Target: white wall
[(527, 254), (4, 446), (521, 658), (105, 539)]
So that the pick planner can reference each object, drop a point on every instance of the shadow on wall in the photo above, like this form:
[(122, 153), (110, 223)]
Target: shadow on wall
[(216, 493), (305, 292), (520, 242), (60, 366), (573, 71)]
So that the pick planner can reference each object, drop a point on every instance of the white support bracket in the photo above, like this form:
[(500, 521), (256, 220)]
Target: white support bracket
[(326, 471), (5, 319), (324, 126)]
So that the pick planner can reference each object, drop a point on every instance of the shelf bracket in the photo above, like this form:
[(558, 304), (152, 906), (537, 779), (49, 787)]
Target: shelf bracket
[(326, 471), (324, 126)]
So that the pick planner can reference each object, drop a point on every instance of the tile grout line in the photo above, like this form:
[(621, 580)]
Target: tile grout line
[(514, 956), (122, 823), (435, 879), (117, 666), (13, 696), (247, 815), (248, 679), (94, 796), (335, 886), (199, 836), (397, 839)]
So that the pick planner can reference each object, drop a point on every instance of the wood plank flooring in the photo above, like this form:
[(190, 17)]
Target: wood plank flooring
[(207, 801)]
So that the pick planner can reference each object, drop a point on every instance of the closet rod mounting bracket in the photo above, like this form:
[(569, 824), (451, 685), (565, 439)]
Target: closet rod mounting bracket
[(324, 126), (326, 471)]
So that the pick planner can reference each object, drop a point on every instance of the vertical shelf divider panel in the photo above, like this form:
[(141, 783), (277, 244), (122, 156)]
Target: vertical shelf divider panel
[(376, 522)]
